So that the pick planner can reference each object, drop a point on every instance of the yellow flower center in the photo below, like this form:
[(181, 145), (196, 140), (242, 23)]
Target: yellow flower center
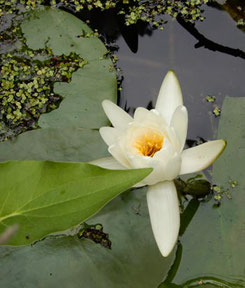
[(149, 143)]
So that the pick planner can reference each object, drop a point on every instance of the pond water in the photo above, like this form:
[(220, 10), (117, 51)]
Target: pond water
[(211, 251)]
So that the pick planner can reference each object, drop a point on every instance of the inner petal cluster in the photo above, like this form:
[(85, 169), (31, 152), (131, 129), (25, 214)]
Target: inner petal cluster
[(148, 143)]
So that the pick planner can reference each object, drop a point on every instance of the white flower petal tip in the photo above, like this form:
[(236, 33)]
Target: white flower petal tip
[(109, 135), (169, 97), (164, 213), (179, 122), (200, 157), (118, 117), (107, 163)]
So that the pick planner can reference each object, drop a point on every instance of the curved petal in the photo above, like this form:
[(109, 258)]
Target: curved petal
[(179, 122), (164, 213), (118, 117), (112, 164), (165, 163), (169, 97), (109, 135), (108, 163), (116, 152), (201, 156), (139, 185)]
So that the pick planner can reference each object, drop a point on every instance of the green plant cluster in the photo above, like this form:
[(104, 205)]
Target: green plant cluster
[(133, 10), (26, 91), (13, 6), (152, 11), (96, 234)]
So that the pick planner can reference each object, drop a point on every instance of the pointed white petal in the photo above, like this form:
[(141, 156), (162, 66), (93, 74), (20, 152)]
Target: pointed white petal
[(118, 117), (165, 163), (109, 135), (163, 208), (140, 184), (179, 122), (169, 97), (200, 157), (111, 163), (117, 153), (108, 163)]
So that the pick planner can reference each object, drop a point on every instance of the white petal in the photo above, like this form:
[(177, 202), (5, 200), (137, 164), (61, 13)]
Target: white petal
[(200, 157), (179, 122), (139, 185), (118, 117), (163, 208), (112, 164), (108, 163), (109, 135), (117, 153), (165, 163), (169, 97)]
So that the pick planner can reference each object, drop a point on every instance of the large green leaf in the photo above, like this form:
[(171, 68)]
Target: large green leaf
[(133, 262), (45, 197), (213, 245), (81, 106), (56, 144)]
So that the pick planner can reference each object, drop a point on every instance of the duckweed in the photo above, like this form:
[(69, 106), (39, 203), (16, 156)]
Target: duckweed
[(134, 10), (26, 89)]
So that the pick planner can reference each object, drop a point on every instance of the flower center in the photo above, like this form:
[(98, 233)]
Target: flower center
[(149, 143)]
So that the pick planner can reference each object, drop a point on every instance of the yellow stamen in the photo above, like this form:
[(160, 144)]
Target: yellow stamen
[(149, 143)]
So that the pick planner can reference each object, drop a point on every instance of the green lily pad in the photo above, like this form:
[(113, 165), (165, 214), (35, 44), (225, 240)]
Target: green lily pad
[(43, 197), (213, 244), (56, 144), (81, 106), (133, 262)]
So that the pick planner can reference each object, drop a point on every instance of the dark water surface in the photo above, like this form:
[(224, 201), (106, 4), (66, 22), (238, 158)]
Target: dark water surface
[(201, 72)]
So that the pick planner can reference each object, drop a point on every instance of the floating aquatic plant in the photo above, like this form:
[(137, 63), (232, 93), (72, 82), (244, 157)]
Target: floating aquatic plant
[(156, 139)]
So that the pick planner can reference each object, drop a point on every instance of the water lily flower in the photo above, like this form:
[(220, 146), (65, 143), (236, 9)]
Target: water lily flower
[(156, 138)]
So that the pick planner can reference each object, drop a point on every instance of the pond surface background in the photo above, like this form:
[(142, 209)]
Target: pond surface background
[(211, 252)]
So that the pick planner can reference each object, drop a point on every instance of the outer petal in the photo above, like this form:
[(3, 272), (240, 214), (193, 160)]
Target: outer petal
[(118, 117), (165, 163), (108, 163), (179, 122), (109, 135), (117, 153), (163, 208), (112, 164), (202, 156), (169, 97)]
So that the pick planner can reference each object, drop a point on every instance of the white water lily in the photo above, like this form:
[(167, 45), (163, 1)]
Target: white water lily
[(156, 139)]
